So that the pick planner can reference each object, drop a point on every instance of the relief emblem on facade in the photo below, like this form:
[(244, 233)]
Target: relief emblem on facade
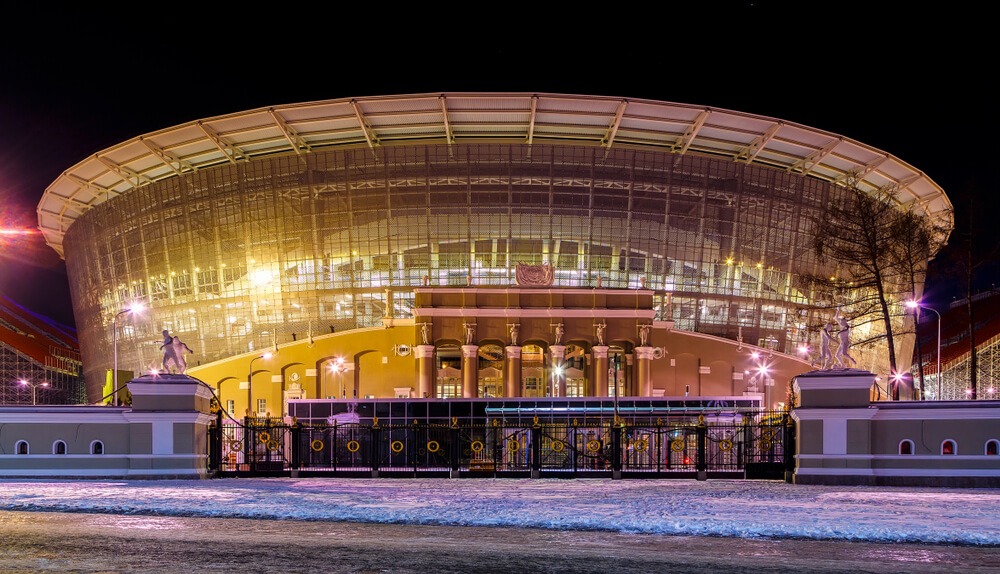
[(534, 275)]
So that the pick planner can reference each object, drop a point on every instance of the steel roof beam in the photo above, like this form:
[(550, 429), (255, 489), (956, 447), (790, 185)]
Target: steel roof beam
[(750, 152), (176, 164), (123, 172), (370, 135), (231, 152), (291, 136), (685, 141)]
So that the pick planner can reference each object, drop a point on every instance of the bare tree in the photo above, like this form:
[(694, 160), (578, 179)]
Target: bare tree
[(917, 237), (881, 250)]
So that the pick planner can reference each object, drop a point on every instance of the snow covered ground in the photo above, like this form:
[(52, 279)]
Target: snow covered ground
[(743, 509)]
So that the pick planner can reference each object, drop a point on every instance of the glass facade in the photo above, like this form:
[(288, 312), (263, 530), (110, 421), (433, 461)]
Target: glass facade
[(240, 257)]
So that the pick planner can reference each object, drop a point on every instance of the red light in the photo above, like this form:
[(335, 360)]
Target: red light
[(687, 460)]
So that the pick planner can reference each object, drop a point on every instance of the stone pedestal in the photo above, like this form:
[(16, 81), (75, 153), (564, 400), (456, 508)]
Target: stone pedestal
[(169, 420), (833, 416)]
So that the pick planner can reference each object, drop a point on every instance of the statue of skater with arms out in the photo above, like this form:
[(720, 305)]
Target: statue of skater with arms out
[(825, 354), (843, 354), (173, 352)]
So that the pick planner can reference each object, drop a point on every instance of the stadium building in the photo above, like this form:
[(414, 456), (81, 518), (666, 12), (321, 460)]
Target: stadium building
[(39, 359), (464, 245)]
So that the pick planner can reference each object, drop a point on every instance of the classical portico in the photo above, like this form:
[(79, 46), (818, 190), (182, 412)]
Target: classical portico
[(533, 336)]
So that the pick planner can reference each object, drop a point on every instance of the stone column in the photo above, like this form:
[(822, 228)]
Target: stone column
[(600, 371), (470, 371), (425, 367), (559, 382), (644, 356), (512, 383)]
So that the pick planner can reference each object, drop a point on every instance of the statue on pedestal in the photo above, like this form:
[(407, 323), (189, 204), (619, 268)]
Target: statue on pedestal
[(514, 329), (173, 352), (600, 333), (825, 337), (644, 334), (843, 354)]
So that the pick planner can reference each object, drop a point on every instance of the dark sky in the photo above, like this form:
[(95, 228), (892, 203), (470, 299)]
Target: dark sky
[(920, 85)]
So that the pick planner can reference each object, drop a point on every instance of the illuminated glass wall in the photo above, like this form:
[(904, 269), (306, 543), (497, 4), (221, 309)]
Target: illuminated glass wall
[(240, 257)]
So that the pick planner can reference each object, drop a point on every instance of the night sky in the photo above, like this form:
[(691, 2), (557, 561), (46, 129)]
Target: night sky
[(920, 85)]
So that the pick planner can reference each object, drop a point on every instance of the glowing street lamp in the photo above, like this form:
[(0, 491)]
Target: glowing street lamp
[(557, 373), (917, 305), (34, 388), (338, 368), (134, 308), (265, 356)]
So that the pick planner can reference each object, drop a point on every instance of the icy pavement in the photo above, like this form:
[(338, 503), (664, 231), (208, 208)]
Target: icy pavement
[(717, 508)]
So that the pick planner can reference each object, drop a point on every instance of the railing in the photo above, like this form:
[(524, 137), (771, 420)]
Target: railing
[(739, 447)]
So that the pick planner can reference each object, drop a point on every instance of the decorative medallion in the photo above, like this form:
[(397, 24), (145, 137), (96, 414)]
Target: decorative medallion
[(533, 275)]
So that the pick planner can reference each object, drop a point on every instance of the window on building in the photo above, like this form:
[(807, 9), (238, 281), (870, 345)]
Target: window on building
[(906, 446), (21, 447), (59, 447), (97, 447), (949, 447), (993, 447), (261, 407), (231, 406)]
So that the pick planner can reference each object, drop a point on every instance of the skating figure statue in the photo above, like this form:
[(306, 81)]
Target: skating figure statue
[(173, 352), (843, 354), (825, 338)]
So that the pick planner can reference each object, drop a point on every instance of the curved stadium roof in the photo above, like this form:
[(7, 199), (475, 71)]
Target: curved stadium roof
[(464, 117)]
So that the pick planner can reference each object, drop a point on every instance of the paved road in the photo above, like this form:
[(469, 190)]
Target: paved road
[(103, 543)]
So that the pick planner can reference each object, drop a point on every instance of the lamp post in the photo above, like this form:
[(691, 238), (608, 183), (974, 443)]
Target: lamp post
[(338, 369), (134, 308), (917, 305), (250, 408), (34, 388)]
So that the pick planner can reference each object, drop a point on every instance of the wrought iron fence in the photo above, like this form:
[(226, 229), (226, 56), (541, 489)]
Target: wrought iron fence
[(745, 446)]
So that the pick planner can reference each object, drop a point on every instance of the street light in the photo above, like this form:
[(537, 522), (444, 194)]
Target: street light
[(134, 308), (338, 368), (917, 305), (34, 387), (265, 356)]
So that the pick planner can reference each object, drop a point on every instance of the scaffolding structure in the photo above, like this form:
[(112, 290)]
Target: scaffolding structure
[(62, 370)]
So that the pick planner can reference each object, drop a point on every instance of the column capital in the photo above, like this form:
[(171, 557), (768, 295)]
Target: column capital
[(645, 353), (558, 351), (423, 351), (513, 352), (469, 351), (600, 351)]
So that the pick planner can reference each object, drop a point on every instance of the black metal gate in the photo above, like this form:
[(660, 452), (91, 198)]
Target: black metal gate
[(714, 446)]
